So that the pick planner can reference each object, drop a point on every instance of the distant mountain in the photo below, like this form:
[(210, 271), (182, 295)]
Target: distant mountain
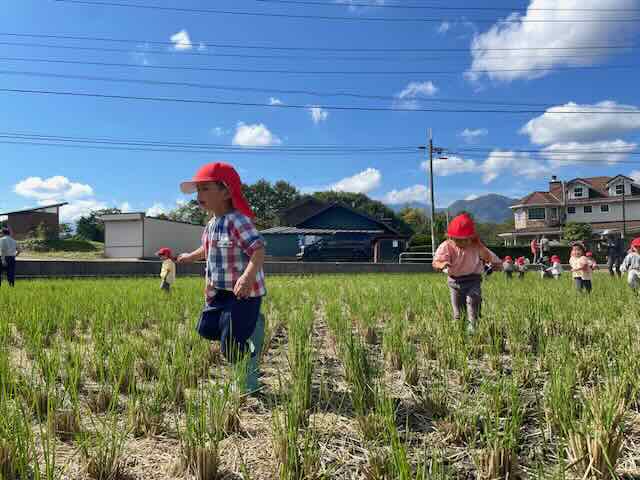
[(490, 208)]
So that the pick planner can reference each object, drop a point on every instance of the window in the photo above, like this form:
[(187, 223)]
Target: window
[(588, 209), (536, 214), (577, 192), (620, 189), (571, 210), (554, 213), (604, 208)]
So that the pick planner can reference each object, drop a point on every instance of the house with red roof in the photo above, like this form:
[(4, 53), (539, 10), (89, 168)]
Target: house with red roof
[(606, 203)]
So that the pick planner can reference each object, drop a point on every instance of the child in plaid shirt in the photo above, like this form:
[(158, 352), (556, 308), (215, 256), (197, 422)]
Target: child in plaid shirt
[(234, 252)]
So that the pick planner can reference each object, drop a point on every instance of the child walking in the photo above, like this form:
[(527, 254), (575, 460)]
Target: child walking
[(581, 268), (508, 267), (556, 267), (234, 253), (168, 272), (463, 257), (631, 264), (521, 266)]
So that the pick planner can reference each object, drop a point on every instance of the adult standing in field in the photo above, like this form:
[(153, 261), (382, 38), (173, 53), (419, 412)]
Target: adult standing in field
[(615, 253), (534, 249), (9, 250), (544, 246), (234, 252)]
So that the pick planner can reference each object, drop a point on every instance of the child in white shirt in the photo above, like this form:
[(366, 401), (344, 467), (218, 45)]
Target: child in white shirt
[(631, 264)]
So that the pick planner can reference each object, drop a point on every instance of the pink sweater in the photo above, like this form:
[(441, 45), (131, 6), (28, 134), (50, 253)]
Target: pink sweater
[(462, 261)]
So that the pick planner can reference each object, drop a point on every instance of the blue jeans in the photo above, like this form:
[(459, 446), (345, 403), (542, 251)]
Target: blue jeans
[(231, 321)]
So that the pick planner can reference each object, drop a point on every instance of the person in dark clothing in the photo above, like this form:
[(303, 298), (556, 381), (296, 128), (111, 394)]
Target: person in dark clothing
[(615, 254), (8, 252)]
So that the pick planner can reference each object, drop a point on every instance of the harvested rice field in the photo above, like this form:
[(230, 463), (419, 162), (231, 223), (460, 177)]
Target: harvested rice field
[(364, 377)]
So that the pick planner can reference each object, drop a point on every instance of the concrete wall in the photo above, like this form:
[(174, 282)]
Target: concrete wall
[(123, 239), (180, 237), (118, 268)]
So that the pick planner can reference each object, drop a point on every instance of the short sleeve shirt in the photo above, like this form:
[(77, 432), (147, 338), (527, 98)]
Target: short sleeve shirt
[(229, 242), (581, 262)]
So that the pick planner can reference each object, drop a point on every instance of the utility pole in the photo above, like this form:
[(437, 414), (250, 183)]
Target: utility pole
[(438, 151), (624, 210)]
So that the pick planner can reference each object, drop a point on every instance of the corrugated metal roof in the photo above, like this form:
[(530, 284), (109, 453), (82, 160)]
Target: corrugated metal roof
[(313, 231)]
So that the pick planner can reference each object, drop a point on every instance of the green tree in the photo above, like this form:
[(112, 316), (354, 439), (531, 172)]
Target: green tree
[(65, 230), (415, 218), (190, 212), (90, 227), (267, 200), (577, 232)]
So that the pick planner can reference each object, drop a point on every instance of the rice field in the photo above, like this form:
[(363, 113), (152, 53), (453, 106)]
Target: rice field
[(365, 377)]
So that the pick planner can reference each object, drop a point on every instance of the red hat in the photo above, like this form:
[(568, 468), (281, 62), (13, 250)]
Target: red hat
[(165, 252), (221, 172), (508, 259), (520, 261), (555, 259), (589, 254), (636, 242), (462, 227)]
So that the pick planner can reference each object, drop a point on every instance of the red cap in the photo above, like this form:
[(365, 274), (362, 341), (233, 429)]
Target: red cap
[(589, 254), (520, 261), (555, 259), (221, 172), (508, 259), (164, 251), (462, 227), (636, 242)]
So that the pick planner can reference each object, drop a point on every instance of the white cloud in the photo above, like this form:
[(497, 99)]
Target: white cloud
[(181, 41), (157, 209), (125, 207), (275, 101), (555, 126), (256, 135), (471, 197), (418, 89), (470, 135), (539, 29), (635, 175), (444, 28), (318, 114), (53, 189), (451, 165), (362, 182), (521, 164), (79, 208), (415, 193), (562, 154)]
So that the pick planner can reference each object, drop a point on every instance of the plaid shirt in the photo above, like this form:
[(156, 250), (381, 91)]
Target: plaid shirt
[(229, 242)]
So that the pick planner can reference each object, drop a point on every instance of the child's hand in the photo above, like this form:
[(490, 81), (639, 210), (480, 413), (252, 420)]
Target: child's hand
[(242, 289), (184, 258)]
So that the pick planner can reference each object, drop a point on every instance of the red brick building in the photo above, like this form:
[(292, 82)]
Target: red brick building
[(23, 223)]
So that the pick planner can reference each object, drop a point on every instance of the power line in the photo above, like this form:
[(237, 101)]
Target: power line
[(444, 7), (341, 18), (211, 44), (547, 152), (320, 72), (306, 107), (582, 56), (271, 91)]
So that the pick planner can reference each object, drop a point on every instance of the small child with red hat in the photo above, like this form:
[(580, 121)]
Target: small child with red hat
[(631, 264), (234, 252), (168, 272), (508, 267), (463, 256), (521, 266), (556, 267)]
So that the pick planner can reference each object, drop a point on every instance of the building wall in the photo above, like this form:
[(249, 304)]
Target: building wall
[(632, 209), (281, 245), (123, 239), (180, 237), (22, 224)]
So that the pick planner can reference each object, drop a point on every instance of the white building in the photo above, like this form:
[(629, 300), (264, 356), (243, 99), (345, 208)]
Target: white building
[(607, 203), (134, 235)]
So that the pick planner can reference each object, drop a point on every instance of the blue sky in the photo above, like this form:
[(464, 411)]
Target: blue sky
[(93, 178)]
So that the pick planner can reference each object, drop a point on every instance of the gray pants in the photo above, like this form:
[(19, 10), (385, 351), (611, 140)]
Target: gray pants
[(466, 296)]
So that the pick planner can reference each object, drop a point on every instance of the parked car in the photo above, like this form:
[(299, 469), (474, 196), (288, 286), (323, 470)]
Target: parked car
[(337, 251)]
